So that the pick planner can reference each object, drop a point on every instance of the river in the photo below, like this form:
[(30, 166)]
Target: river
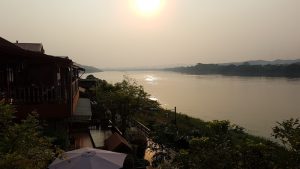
[(255, 103)]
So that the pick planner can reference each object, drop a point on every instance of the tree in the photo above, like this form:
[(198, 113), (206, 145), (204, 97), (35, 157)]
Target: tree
[(123, 99), (91, 77), (217, 145), (22, 145), (288, 132)]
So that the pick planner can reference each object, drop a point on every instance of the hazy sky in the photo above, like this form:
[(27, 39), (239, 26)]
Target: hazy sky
[(113, 33)]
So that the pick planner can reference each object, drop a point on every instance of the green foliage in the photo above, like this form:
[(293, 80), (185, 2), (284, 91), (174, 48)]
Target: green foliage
[(6, 115), (122, 99), (91, 77), (60, 137), (288, 132), (22, 145), (217, 145)]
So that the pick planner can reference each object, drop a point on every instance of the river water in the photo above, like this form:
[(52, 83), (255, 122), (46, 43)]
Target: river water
[(255, 103)]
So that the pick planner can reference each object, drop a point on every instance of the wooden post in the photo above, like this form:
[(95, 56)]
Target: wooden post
[(175, 116)]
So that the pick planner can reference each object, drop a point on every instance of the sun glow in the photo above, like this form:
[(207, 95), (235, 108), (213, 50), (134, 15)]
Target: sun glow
[(147, 7)]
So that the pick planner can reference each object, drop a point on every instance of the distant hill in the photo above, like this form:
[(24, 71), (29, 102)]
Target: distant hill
[(264, 62), (144, 68), (90, 69), (245, 69)]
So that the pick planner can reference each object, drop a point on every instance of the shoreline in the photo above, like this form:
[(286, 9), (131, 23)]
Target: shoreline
[(243, 101)]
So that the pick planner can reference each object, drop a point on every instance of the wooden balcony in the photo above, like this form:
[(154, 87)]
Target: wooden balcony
[(36, 95), (49, 102)]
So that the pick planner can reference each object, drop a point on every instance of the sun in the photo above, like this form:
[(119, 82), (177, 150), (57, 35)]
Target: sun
[(147, 7)]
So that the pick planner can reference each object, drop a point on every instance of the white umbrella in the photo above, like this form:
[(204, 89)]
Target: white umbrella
[(89, 158)]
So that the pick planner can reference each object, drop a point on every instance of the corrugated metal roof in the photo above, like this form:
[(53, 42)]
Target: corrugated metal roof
[(35, 47), (83, 109), (117, 143)]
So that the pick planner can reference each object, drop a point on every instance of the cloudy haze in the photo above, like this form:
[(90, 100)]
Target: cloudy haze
[(110, 33)]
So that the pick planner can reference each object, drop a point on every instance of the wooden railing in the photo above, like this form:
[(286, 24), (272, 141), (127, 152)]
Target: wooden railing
[(142, 128), (33, 94)]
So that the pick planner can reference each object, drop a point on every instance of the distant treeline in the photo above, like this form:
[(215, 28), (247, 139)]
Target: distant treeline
[(291, 70)]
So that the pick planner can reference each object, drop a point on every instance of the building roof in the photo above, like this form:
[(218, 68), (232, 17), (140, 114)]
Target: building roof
[(117, 143), (35, 47), (83, 110), (11, 53), (79, 67)]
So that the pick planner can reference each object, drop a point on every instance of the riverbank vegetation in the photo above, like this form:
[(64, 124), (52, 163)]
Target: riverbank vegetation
[(291, 70), (180, 141)]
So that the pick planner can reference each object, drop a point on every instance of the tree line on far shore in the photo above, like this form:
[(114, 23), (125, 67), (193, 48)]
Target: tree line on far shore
[(290, 70)]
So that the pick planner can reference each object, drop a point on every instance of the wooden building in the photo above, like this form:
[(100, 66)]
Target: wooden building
[(34, 81)]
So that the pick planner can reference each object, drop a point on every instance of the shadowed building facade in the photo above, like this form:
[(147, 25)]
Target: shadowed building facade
[(33, 81)]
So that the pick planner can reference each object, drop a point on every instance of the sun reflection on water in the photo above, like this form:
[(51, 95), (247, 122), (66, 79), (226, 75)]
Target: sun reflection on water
[(153, 98), (150, 78)]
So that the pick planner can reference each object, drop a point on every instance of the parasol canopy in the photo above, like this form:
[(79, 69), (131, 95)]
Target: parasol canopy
[(89, 158)]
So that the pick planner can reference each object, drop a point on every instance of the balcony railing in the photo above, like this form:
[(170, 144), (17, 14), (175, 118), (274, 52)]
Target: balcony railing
[(33, 94), (142, 128)]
